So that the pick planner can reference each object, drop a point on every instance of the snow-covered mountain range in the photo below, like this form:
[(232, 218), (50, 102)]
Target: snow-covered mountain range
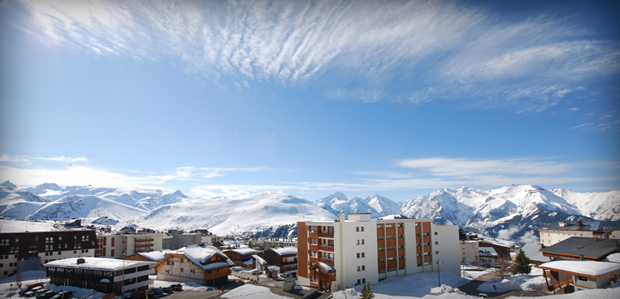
[(509, 212)]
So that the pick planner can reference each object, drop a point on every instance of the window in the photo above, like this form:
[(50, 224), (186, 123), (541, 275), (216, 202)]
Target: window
[(357, 228), (358, 282), (358, 242), (362, 228), (436, 243), (435, 233), (363, 280), (363, 254), (436, 252), (358, 268), (358, 255), (362, 241), (363, 267)]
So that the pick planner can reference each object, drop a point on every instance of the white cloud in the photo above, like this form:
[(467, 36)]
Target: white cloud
[(72, 176), (198, 173), (468, 167), (10, 158), (64, 159)]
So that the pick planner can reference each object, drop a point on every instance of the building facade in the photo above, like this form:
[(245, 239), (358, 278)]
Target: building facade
[(205, 265), (469, 252), (179, 239), (285, 258), (589, 229), (337, 255), (104, 275), (44, 245), (124, 245)]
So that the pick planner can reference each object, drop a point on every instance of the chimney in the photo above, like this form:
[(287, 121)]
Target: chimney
[(341, 216), (579, 223)]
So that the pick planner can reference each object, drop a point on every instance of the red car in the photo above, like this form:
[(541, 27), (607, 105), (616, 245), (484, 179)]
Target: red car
[(30, 286)]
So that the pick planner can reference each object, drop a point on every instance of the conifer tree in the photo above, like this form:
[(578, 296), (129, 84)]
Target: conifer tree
[(366, 292), (522, 263)]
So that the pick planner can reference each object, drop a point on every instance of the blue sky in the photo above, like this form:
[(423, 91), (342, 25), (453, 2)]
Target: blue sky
[(397, 98)]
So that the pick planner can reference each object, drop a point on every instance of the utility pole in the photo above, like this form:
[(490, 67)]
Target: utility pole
[(438, 274)]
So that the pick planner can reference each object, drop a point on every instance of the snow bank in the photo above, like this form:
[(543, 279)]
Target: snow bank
[(252, 291), (417, 285), (518, 282)]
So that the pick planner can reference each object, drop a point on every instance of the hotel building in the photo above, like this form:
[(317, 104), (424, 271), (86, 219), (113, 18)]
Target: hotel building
[(341, 254)]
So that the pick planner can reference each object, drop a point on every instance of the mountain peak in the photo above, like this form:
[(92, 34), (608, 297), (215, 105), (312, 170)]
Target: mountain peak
[(9, 185), (178, 193)]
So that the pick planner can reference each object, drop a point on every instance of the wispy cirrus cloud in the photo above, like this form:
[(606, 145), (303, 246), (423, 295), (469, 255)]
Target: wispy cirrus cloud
[(468, 167), (442, 50), (198, 173)]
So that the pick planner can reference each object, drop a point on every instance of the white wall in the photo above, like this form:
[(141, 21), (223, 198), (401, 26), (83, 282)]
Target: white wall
[(447, 246)]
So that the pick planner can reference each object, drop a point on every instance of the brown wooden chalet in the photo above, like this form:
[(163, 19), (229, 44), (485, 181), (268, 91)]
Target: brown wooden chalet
[(284, 258), (206, 265), (241, 256), (322, 274)]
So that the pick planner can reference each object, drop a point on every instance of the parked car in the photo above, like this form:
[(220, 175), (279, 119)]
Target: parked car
[(177, 287), (168, 290), (30, 287), (48, 294), (63, 295)]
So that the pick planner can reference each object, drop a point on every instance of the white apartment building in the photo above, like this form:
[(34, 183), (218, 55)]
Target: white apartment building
[(589, 229), (124, 245), (344, 253)]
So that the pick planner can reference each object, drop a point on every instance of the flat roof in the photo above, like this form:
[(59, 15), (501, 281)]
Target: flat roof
[(97, 263), (19, 226)]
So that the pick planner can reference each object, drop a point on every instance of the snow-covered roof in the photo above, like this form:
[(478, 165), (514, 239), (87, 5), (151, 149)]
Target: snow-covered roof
[(200, 254), (285, 250), (18, 226), (273, 268), (591, 268), (244, 251), (326, 267), (249, 261), (97, 263), (155, 255), (614, 257), (260, 260)]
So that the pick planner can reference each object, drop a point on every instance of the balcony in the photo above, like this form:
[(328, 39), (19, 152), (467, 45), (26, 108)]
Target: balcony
[(326, 248), (326, 235), (144, 240)]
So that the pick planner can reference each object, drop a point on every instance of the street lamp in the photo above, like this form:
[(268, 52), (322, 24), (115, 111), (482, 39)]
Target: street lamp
[(438, 274)]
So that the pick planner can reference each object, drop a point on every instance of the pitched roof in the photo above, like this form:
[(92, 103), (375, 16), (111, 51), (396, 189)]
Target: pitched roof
[(200, 255), (285, 250), (244, 250), (592, 248)]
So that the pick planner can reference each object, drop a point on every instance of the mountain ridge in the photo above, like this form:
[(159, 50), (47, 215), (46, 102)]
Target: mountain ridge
[(511, 211)]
